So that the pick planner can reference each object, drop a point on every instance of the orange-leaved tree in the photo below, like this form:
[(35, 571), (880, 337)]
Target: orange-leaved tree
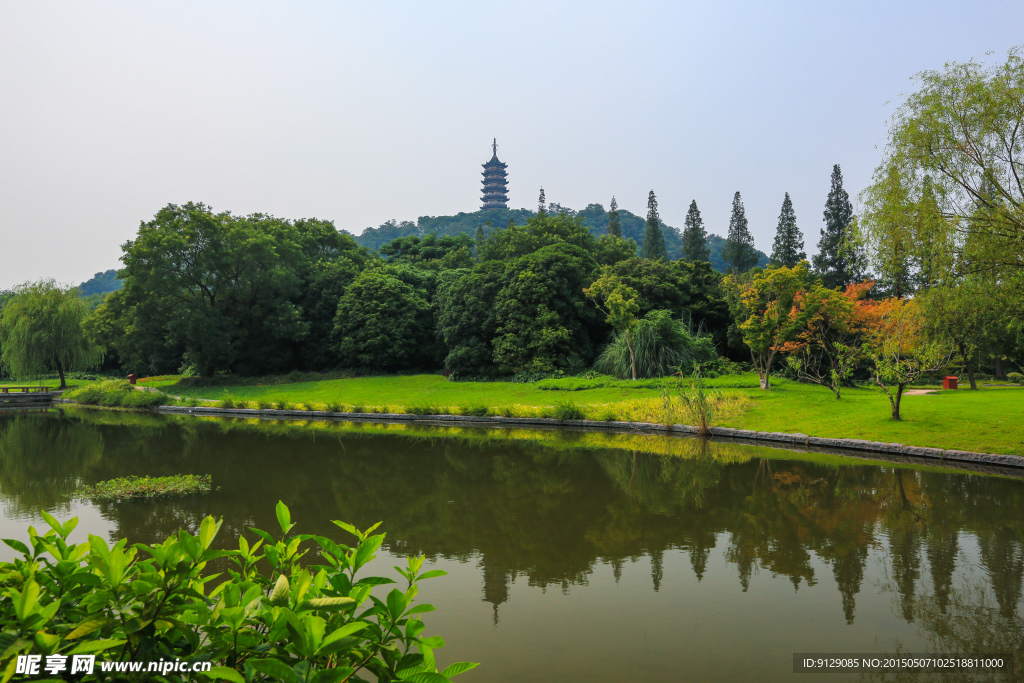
[(770, 314), (829, 347), (900, 349)]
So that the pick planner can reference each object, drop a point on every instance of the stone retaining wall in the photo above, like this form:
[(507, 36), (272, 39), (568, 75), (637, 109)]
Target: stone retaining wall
[(798, 442)]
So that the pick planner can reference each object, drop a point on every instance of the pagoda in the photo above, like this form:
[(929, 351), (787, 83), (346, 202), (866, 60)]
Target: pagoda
[(495, 195)]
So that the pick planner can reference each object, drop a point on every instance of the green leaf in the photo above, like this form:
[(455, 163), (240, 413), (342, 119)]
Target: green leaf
[(459, 668), (91, 646), (86, 627), (223, 673), (284, 517), (276, 670), (52, 521), (329, 603), (17, 545), (426, 677), (349, 528), (207, 531), (420, 609), (431, 574), (27, 599), (396, 603), (433, 642), (332, 675), (343, 632), (281, 590)]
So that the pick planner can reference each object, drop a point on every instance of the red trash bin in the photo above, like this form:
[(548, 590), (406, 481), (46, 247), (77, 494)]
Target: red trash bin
[(949, 382)]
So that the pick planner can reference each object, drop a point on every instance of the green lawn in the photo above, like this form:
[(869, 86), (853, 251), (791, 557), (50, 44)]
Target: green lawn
[(989, 420)]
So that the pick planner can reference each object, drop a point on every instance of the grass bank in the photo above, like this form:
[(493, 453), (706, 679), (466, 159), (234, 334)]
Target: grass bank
[(988, 420)]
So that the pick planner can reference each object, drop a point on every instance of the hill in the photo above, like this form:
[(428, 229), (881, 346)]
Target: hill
[(594, 217), (100, 283)]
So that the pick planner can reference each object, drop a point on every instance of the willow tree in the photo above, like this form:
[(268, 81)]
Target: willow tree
[(949, 193), (41, 331)]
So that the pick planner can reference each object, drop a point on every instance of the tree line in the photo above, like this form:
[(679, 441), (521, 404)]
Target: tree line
[(207, 292)]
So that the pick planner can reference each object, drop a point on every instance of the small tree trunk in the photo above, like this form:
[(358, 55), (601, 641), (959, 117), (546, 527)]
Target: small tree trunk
[(896, 402), (999, 368), (632, 356), (60, 373), (967, 367)]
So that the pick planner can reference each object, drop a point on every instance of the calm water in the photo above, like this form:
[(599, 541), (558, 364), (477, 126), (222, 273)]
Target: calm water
[(575, 556)]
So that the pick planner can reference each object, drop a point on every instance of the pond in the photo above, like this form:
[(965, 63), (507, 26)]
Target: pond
[(582, 556)]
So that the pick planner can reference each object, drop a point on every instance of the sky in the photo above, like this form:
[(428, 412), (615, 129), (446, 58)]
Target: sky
[(364, 112)]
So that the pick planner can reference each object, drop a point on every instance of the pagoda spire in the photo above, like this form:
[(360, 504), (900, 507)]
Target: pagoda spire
[(495, 182)]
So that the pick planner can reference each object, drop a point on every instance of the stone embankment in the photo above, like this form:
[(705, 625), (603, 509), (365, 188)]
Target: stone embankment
[(795, 442)]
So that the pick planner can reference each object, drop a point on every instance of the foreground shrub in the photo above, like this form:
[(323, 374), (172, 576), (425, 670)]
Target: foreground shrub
[(567, 410), (1015, 377), (117, 394), (662, 345), (273, 620), (147, 487)]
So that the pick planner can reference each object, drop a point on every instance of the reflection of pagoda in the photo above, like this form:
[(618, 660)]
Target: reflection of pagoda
[(495, 194)]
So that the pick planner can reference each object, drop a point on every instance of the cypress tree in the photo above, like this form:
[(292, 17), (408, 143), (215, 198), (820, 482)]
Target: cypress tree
[(788, 248), (739, 250), (542, 204), (654, 240), (480, 242), (614, 225), (838, 261), (695, 237)]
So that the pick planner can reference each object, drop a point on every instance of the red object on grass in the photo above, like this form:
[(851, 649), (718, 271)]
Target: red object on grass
[(949, 382), (132, 378)]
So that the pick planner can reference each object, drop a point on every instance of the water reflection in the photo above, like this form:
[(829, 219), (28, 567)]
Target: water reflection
[(552, 508)]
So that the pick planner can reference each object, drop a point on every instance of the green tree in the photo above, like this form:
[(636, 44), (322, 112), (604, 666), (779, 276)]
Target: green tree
[(506, 244), (838, 261), (614, 224), (788, 248), (611, 250), (466, 320), (543, 318), (478, 242), (962, 134), (901, 351), (739, 250), (618, 302), (41, 331), (218, 289), (770, 317), (654, 240), (383, 323), (695, 237), (542, 203)]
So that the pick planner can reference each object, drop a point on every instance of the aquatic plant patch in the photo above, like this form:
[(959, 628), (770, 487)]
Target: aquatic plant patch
[(124, 488)]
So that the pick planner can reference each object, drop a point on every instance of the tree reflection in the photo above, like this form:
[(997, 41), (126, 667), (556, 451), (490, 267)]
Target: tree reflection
[(548, 506)]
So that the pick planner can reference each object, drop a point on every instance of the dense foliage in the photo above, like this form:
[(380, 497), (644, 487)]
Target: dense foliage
[(41, 330), (276, 620)]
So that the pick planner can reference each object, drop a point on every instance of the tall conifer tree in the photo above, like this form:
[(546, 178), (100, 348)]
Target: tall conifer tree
[(739, 250), (839, 262), (788, 248), (480, 239), (614, 224), (654, 240), (695, 237), (542, 204)]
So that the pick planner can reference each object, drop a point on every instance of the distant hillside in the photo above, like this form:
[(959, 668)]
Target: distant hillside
[(594, 216), (100, 283)]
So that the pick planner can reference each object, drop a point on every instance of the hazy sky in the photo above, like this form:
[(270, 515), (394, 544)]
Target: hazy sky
[(362, 112)]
